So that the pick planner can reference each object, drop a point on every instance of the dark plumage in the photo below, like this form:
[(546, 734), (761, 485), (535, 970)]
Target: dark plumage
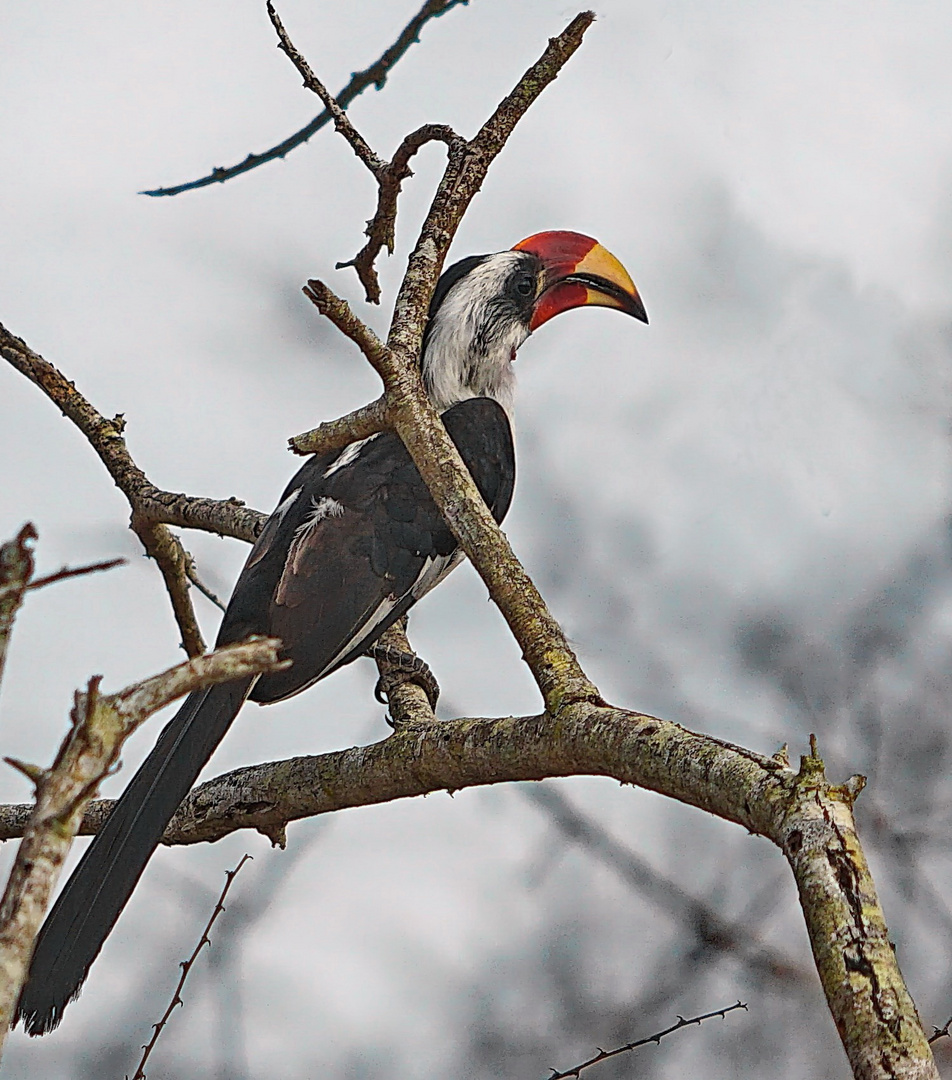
[(355, 541)]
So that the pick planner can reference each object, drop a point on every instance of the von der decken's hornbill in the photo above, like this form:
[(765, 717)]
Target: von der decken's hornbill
[(354, 542)]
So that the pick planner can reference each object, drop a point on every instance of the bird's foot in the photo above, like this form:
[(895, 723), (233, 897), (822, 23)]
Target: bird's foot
[(401, 667)]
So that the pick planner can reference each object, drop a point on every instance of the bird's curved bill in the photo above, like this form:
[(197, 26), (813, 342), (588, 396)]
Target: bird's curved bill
[(579, 272)]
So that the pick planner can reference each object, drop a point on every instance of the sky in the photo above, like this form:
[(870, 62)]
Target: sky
[(777, 179)]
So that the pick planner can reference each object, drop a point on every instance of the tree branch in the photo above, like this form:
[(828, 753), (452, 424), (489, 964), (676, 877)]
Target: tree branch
[(152, 509), (381, 229), (375, 75), (342, 123), (604, 1055), (544, 646), (809, 819), (100, 726), (66, 572), (336, 434), (186, 966), (16, 569)]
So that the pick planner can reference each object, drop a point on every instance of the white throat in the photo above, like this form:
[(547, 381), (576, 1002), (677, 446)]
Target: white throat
[(470, 348)]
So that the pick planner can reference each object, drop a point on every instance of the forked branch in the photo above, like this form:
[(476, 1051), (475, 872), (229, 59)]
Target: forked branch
[(100, 726), (376, 75)]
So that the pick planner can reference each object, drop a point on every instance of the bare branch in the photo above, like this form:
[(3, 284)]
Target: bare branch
[(375, 75), (152, 509), (100, 726), (381, 229), (172, 560), (940, 1033), (809, 819), (547, 652), (604, 1055), (342, 316), (186, 967), (192, 573), (341, 120), (16, 569), (336, 434), (75, 571), (226, 517)]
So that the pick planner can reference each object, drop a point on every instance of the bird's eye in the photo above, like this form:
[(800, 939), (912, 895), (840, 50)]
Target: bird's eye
[(525, 285)]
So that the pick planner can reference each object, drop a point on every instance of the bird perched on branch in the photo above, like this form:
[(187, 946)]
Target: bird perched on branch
[(356, 539)]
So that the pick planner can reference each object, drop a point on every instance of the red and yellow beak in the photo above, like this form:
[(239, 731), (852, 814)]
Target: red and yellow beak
[(578, 272)]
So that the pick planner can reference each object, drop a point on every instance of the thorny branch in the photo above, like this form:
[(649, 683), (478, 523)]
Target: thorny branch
[(375, 75), (604, 1055), (186, 967)]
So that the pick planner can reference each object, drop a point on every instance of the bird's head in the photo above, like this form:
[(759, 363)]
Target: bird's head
[(485, 307)]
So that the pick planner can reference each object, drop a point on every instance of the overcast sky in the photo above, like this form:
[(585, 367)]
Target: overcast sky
[(775, 176)]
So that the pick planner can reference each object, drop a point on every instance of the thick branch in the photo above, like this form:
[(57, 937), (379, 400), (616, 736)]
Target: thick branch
[(809, 819), (100, 726), (375, 75), (546, 651)]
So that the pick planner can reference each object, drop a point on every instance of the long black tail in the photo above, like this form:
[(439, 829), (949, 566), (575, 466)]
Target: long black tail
[(94, 896)]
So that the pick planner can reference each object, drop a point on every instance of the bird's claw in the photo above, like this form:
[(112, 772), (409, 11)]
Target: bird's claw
[(402, 667)]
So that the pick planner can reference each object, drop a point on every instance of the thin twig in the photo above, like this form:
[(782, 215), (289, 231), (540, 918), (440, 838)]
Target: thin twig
[(16, 569), (170, 556), (226, 517), (340, 313), (75, 571), (604, 1055), (152, 509), (186, 967), (375, 75), (342, 122), (191, 573)]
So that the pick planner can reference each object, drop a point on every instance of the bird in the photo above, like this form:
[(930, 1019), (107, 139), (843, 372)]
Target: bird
[(353, 543)]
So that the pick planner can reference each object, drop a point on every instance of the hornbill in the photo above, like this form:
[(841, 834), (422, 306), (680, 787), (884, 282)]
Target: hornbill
[(355, 541)]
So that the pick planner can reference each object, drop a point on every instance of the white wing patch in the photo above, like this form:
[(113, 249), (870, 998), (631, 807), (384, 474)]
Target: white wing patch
[(434, 570), (347, 455), (431, 573), (323, 508), (366, 629), (287, 504), (263, 543)]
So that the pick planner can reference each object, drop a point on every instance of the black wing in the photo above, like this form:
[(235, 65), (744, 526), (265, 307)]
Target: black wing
[(354, 542)]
